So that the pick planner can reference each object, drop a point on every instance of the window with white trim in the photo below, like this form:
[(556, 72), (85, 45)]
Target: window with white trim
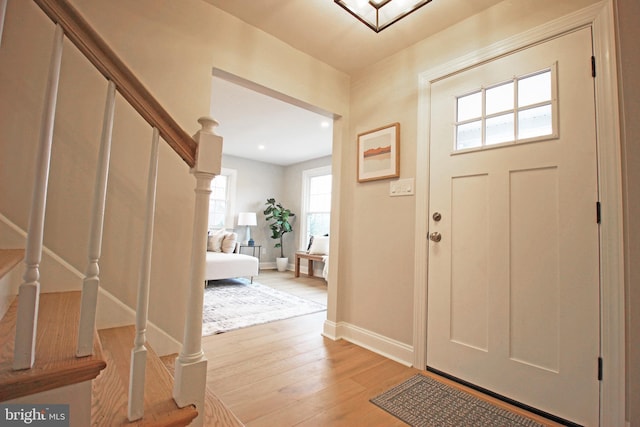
[(523, 109), (316, 204), (222, 200)]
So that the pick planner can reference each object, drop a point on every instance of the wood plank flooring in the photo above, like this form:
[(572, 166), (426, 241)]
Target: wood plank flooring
[(286, 373)]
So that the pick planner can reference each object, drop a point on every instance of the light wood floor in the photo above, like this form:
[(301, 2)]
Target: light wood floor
[(311, 288), (286, 373)]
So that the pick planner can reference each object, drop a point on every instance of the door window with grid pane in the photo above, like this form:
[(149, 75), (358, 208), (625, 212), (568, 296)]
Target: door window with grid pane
[(523, 109), (316, 197)]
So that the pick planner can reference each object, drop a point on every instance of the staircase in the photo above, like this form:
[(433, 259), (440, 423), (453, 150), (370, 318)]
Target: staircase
[(58, 368), (51, 351)]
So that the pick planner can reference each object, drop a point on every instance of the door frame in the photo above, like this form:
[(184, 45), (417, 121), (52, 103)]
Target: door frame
[(598, 17)]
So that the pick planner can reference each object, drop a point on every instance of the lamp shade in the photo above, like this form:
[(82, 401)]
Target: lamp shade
[(247, 218)]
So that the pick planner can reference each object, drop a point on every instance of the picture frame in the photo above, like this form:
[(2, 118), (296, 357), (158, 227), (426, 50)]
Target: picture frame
[(379, 153)]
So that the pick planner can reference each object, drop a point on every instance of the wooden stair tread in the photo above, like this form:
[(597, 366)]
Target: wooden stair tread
[(110, 390), (55, 364), (216, 413), (9, 258)]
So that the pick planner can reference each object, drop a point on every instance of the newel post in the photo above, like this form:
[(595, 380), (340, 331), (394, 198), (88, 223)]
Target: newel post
[(191, 364)]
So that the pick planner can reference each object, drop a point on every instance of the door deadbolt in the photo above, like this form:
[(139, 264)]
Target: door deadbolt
[(436, 216), (435, 237)]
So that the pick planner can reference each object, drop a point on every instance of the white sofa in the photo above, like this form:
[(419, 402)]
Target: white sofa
[(224, 260), (221, 265)]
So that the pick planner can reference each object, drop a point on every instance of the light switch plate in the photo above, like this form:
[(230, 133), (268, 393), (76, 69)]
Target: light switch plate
[(401, 187)]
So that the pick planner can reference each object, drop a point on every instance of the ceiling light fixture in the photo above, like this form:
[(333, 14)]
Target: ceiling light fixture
[(379, 14)]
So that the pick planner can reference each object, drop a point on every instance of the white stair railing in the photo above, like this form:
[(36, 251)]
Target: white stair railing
[(191, 365), (203, 153), (91, 282), (139, 351), (29, 292)]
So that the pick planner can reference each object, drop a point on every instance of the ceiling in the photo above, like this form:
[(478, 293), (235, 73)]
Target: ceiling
[(322, 29), (255, 124)]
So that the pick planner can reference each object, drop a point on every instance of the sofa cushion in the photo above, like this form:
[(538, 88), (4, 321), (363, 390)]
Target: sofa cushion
[(319, 245), (229, 242), (214, 242)]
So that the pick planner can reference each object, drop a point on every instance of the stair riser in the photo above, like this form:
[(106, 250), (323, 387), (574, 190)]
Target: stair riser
[(77, 396)]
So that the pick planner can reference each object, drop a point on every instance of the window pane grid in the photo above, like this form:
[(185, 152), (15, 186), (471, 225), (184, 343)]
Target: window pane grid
[(508, 112), (317, 206), (218, 202)]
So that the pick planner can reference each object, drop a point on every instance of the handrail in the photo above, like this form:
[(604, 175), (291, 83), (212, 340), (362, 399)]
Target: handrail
[(94, 48)]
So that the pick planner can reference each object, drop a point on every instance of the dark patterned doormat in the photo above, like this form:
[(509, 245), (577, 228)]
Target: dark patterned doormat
[(425, 402)]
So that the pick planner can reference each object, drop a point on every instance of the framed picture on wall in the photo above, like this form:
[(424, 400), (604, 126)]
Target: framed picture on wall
[(379, 153)]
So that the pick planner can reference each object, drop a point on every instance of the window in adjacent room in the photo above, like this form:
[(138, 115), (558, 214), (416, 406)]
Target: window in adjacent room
[(316, 204), (222, 200)]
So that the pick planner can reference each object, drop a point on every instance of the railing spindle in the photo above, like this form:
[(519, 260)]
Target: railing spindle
[(29, 293), (3, 13), (91, 282), (139, 351)]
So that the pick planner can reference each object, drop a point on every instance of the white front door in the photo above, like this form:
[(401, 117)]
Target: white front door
[(513, 291)]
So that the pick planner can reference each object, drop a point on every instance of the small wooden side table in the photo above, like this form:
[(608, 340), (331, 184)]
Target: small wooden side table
[(310, 258)]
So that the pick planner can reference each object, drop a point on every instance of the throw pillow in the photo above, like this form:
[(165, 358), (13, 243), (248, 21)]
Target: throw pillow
[(216, 240), (319, 246), (229, 243)]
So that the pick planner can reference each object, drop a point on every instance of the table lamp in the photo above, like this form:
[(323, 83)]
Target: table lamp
[(248, 219)]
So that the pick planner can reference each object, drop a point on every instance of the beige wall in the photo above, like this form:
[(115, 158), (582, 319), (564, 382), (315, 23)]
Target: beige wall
[(172, 47), (377, 240), (627, 14)]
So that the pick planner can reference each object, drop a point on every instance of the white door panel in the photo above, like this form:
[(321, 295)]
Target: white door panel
[(514, 281)]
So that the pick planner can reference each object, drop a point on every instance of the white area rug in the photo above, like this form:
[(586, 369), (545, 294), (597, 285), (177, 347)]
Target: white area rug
[(237, 303)]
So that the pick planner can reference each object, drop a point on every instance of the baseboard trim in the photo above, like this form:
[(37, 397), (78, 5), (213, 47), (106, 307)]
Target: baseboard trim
[(114, 313), (57, 275), (330, 330), (384, 346), (272, 266)]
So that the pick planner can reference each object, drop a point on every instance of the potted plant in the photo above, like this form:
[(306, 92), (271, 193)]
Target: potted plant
[(280, 225)]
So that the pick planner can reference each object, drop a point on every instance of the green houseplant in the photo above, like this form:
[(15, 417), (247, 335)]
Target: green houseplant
[(280, 225)]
